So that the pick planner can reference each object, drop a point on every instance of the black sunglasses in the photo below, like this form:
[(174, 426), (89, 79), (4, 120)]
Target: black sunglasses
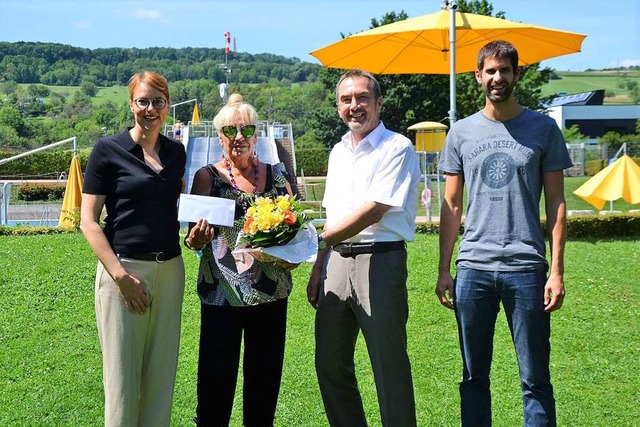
[(231, 131)]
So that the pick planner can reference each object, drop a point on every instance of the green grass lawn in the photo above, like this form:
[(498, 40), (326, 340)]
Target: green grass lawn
[(50, 362), (117, 94)]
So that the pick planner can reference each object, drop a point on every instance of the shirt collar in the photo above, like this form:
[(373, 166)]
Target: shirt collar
[(129, 144), (373, 138)]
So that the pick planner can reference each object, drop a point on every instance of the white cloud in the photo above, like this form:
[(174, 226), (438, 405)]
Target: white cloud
[(81, 25), (627, 63), (146, 14)]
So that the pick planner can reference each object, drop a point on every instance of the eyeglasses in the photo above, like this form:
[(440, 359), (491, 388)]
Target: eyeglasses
[(231, 131), (158, 103)]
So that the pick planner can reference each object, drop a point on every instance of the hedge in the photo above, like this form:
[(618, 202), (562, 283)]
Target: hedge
[(27, 230), (313, 161), (592, 167), (578, 227), (41, 163), (31, 192)]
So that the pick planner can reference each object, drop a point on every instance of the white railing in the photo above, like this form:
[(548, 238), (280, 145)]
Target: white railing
[(5, 195), (35, 150)]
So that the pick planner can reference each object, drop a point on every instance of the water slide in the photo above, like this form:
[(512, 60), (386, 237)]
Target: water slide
[(202, 150)]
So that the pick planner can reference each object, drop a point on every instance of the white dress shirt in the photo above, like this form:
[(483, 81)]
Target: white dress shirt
[(383, 168)]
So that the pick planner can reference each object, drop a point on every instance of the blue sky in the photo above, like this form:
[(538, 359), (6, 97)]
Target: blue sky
[(293, 28)]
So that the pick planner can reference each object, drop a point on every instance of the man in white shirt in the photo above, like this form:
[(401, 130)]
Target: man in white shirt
[(371, 197)]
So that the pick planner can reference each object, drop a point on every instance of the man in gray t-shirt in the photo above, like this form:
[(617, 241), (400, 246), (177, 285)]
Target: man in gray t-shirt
[(505, 155)]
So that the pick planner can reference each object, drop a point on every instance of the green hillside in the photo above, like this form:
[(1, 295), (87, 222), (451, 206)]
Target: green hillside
[(615, 83)]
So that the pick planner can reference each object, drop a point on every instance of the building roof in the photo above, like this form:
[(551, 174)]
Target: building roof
[(594, 97)]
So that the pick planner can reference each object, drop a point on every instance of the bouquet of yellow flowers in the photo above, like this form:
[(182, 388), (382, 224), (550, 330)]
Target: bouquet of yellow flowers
[(272, 222), (272, 230)]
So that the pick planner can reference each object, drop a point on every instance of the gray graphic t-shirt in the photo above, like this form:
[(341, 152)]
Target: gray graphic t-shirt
[(503, 164)]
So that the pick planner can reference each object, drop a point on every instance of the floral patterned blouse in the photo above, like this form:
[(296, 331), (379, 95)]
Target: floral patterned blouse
[(219, 282)]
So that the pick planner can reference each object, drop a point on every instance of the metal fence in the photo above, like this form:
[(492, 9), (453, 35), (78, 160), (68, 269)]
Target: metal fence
[(581, 153)]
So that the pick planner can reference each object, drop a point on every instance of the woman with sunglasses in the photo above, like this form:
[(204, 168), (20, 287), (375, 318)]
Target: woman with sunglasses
[(139, 285), (252, 303)]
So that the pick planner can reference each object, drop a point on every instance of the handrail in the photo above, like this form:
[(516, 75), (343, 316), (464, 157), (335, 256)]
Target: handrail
[(46, 147), (173, 106), (623, 149)]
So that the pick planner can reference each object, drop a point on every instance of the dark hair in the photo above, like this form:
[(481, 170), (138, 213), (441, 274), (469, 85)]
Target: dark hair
[(150, 78), (498, 49), (374, 86)]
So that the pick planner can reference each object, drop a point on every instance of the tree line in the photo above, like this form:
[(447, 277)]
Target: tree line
[(63, 65)]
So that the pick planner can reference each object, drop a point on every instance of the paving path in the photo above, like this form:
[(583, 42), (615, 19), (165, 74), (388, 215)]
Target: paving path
[(34, 212), (37, 212)]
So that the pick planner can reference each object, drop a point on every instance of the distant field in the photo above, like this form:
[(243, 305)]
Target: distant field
[(117, 94), (610, 81)]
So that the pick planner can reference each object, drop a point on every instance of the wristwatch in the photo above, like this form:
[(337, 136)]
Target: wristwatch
[(322, 244)]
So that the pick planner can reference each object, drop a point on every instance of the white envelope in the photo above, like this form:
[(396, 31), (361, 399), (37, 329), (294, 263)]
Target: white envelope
[(216, 210)]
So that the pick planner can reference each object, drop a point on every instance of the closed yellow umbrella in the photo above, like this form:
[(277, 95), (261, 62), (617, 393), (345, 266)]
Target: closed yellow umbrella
[(195, 118), (72, 196), (619, 180)]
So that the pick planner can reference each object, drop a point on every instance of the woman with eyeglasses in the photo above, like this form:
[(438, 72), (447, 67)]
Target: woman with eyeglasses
[(252, 303), (137, 176)]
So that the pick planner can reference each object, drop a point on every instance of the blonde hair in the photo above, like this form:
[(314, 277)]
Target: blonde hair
[(235, 98), (230, 112)]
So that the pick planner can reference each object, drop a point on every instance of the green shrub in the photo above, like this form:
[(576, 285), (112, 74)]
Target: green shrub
[(27, 230), (313, 161), (578, 227), (592, 167), (31, 192), (72, 216), (603, 226), (431, 228)]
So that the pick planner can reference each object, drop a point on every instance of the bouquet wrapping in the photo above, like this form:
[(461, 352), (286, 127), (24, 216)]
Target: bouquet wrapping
[(273, 230)]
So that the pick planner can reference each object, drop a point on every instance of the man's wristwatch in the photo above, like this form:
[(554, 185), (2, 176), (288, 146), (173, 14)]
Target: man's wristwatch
[(321, 243)]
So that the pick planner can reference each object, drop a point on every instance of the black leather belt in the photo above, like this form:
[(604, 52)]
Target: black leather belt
[(158, 257), (349, 249)]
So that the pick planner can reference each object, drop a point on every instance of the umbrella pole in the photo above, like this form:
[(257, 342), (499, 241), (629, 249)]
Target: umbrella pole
[(452, 5)]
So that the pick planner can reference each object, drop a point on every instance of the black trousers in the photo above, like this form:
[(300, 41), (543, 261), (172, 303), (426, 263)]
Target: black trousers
[(221, 330)]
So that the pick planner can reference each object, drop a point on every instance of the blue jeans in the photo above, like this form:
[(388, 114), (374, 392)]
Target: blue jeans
[(477, 296)]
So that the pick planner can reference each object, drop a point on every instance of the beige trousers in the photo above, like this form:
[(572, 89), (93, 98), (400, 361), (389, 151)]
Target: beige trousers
[(140, 351)]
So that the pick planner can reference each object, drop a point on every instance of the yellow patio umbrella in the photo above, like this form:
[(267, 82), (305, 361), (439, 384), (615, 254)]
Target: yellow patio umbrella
[(195, 118), (429, 136), (429, 44), (72, 195), (621, 179), (421, 45)]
